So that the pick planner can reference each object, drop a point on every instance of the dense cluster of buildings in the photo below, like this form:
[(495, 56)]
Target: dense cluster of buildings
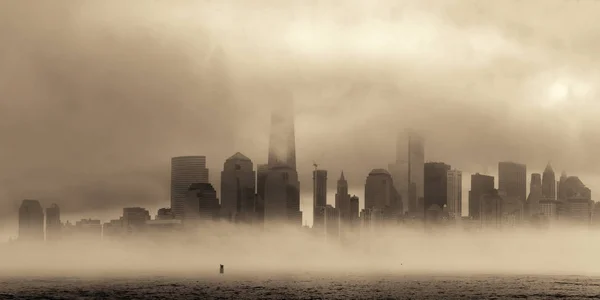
[(410, 192)]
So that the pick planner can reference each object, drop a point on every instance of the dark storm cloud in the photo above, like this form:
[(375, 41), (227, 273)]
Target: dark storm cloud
[(91, 90)]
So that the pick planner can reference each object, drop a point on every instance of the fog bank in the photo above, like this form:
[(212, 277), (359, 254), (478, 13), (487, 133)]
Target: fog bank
[(249, 252)]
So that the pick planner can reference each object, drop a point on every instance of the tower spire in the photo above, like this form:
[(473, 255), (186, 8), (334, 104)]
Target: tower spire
[(282, 141)]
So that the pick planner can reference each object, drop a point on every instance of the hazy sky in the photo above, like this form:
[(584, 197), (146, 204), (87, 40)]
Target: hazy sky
[(96, 96)]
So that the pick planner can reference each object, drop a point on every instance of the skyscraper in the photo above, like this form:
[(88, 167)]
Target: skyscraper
[(354, 210), (381, 194), (185, 170), (408, 170), (134, 219), (238, 181), (549, 183), (201, 203), (490, 213), (512, 179), (454, 192), (342, 200), (319, 197), (480, 185), (282, 197), (53, 224), (282, 188), (535, 195), (31, 221), (561, 192), (262, 170), (436, 184), (282, 141)]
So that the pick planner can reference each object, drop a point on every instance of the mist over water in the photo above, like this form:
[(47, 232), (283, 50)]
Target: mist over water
[(252, 252)]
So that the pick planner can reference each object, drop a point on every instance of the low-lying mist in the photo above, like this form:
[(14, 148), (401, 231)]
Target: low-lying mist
[(249, 251)]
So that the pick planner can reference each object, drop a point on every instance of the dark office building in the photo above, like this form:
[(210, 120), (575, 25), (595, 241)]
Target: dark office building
[(512, 179), (319, 197), (480, 185), (202, 203), (53, 224), (436, 184), (31, 221)]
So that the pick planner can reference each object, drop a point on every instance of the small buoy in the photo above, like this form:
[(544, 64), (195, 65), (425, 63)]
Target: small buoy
[(222, 269)]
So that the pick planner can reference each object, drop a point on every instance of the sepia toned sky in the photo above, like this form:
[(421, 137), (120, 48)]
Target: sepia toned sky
[(96, 96)]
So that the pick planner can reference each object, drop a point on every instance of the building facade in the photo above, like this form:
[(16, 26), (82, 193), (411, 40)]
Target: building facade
[(454, 192), (480, 185), (380, 193), (436, 184), (548, 183), (238, 181), (53, 223), (512, 179), (319, 197), (185, 170), (31, 221), (408, 170)]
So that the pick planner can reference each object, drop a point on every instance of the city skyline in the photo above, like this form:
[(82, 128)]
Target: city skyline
[(108, 134)]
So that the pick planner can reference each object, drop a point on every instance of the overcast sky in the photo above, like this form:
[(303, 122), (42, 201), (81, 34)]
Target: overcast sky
[(96, 96)]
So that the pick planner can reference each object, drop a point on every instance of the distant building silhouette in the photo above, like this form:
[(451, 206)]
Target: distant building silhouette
[(201, 204), (561, 189), (491, 210), (238, 182), (282, 141), (53, 224), (513, 210), (480, 185), (342, 201), (354, 210), (262, 170), (454, 193), (549, 183), (319, 197), (31, 221), (580, 211), (512, 179), (88, 228), (134, 219), (282, 197), (113, 229), (535, 196), (282, 188), (185, 170), (381, 195), (408, 170), (165, 214), (436, 184)]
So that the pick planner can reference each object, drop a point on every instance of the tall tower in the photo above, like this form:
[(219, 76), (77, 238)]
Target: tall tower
[(282, 141), (53, 224), (535, 195), (549, 183), (342, 199), (381, 194), (282, 188), (512, 179), (436, 184), (238, 181), (31, 221), (480, 185), (408, 170), (185, 170), (319, 197), (454, 188)]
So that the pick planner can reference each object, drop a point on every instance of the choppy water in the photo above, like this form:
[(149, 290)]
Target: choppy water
[(303, 287)]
